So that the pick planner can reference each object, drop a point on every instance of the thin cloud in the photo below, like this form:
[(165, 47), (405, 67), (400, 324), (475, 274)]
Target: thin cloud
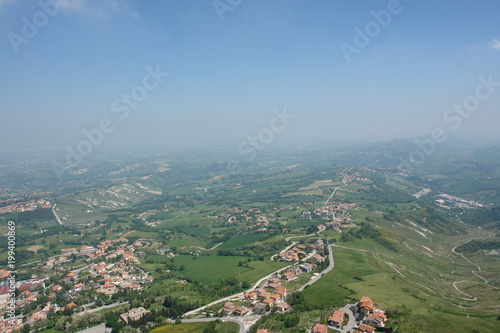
[(495, 43)]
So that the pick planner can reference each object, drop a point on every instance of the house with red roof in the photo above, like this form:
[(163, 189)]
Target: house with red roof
[(320, 328)]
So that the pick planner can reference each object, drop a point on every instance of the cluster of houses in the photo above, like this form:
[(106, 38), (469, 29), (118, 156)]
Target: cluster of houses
[(26, 206), (298, 252), (108, 249), (369, 316), (115, 272), (117, 275), (245, 216), (335, 211), (293, 254), (273, 294)]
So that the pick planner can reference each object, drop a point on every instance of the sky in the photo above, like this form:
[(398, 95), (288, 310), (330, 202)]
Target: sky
[(131, 72)]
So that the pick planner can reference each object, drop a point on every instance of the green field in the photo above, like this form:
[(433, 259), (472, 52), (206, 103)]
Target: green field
[(317, 192), (210, 269), (186, 240), (239, 241), (226, 327)]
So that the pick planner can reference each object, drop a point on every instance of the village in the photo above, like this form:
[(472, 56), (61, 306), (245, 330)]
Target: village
[(105, 270)]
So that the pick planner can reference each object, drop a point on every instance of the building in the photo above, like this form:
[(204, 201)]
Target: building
[(228, 308), (320, 328), (365, 328), (336, 319), (365, 306), (260, 308), (133, 314), (377, 318), (317, 258), (240, 311)]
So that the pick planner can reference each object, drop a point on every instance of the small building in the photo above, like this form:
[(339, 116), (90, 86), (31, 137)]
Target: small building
[(320, 328), (239, 311), (134, 314), (365, 306), (228, 308), (317, 258), (336, 319), (283, 306), (366, 328), (260, 308), (306, 268)]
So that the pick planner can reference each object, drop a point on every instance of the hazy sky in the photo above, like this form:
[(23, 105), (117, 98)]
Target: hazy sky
[(347, 70)]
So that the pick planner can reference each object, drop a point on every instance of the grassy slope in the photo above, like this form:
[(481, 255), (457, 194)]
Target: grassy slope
[(429, 302)]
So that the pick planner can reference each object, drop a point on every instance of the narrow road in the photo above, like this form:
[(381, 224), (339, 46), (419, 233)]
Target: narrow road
[(472, 263), (202, 248), (100, 308), (352, 320), (335, 189), (55, 214), (235, 296), (326, 270)]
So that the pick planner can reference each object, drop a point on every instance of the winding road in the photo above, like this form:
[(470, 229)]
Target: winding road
[(326, 270)]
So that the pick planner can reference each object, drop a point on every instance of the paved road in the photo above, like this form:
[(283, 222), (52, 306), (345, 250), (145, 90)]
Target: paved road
[(245, 322), (55, 214), (96, 329), (202, 248), (236, 296), (100, 308), (288, 238), (352, 320), (326, 270), (335, 189)]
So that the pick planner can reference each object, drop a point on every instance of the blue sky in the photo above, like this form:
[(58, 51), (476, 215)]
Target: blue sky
[(227, 75)]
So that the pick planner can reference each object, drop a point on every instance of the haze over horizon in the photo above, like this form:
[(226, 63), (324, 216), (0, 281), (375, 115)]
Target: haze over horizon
[(345, 72)]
